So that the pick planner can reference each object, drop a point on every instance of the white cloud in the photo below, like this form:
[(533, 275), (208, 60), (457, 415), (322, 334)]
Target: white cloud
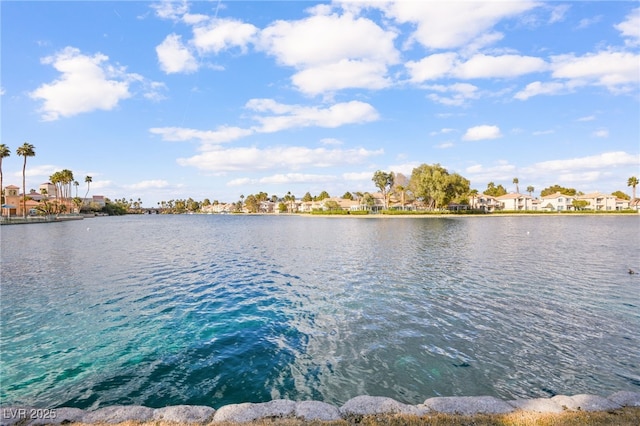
[(148, 184), (283, 117), (289, 116), (504, 66), (618, 71), (345, 74), (445, 145), (331, 52), (630, 27), (482, 132), (543, 132), (222, 34), (220, 135), (289, 157), (600, 161), (330, 141), (459, 93), (174, 56), (601, 133), (540, 88), (87, 83), (431, 67), (323, 39), (357, 176), (587, 118), (443, 65), (500, 172), (447, 25), (296, 178)]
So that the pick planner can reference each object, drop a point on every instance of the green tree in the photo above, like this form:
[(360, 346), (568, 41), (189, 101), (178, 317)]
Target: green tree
[(332, 205), (621, 195), (384, 182), (557, 188), (25, 150), (402, 190), (4, 153), (579, 204), (436, 186), (633, 182), (87, 180), (323, 195), (494, 191), (307, 197), (347, 196), (530, 190), (252, 204)]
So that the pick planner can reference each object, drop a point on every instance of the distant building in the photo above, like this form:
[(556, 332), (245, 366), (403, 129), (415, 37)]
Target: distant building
[(515, 201)]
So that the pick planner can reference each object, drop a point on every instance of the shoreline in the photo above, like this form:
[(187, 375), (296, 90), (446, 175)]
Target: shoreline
[(352, 411)]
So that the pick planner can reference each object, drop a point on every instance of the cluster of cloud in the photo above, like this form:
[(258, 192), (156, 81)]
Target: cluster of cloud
[(578, 171), (337, 47), (88, 83)]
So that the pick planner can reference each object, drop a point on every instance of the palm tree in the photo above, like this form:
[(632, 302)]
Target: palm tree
[(530, 190), (88, 180), (26, 150), (633, 182), (4, 152), (516, 181)]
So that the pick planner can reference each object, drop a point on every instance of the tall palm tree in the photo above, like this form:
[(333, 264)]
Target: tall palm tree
[(4, 152), (26, 150), (530, 190), (88, 180), (633, 182), (516, 181)]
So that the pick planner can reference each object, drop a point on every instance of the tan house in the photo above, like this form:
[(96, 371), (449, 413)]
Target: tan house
[(557, 202), (515, 201), (599, 201), (485, 203), (13, 203)]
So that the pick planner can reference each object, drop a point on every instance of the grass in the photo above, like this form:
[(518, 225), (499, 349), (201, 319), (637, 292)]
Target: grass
[(627, 416)]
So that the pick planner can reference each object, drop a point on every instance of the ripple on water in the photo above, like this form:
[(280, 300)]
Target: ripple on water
[(224, 310)]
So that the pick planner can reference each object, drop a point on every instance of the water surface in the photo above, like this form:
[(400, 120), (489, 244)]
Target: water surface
[(213, 310)]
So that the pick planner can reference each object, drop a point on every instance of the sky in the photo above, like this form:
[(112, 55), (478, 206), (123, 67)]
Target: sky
[(217, 99)]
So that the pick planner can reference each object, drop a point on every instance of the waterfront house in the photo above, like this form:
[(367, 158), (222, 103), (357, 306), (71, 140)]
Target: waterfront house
[(557, 202), (599, 201), (485, 203), (515, 201)]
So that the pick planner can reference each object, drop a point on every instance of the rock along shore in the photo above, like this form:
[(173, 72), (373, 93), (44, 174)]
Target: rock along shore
[(315, 410)]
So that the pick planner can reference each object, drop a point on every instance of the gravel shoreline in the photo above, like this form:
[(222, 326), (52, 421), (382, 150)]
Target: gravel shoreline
[(315, 410)]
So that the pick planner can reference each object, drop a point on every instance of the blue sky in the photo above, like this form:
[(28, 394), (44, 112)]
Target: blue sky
[(214, 99)]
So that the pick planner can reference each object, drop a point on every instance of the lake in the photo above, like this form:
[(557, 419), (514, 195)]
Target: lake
[(211, 310)]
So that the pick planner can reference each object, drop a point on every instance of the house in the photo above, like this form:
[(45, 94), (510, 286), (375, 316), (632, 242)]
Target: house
[(515, 201), (599, 201), (557, 202), (485, 203), (13, 202)]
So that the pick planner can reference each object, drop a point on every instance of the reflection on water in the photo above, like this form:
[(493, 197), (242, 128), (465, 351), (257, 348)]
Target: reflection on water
[(212, 310)]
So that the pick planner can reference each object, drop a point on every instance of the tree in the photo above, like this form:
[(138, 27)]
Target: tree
[(307, 197), (620, 194), (347, 196), (26, 150), (384, 182), (557, 188), (579, 204), (402, 190), (633, 182), (494, 191), (530, 190), (251, 203), (4, 153), (436, 186), (516, 181), (88, 180), (323, 195)]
